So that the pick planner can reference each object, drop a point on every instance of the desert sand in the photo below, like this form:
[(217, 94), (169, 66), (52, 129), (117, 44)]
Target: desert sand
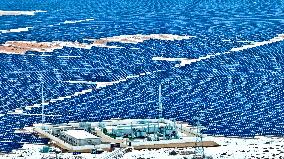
[(21, 47), (2, 12)]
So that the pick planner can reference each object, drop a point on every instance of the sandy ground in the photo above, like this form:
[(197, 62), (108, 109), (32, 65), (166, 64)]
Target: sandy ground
[(2, 12), (134, 39), (15, 30), (21, 47), (231, 148)]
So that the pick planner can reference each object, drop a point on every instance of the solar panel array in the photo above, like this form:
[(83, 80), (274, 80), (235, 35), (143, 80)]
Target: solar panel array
[(239, 93)]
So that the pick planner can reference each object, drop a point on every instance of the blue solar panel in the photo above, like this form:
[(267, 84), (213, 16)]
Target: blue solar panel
[(238, 92)]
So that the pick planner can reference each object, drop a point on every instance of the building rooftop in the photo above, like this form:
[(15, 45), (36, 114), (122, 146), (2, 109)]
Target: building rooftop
[(80, 134)]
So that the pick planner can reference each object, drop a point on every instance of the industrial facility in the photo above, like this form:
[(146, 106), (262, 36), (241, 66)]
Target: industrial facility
[(119, 134)]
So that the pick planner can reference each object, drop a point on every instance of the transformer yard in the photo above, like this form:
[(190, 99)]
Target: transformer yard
[(119, 136)]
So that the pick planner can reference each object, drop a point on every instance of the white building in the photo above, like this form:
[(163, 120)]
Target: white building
[(80, 138), (139, 130)]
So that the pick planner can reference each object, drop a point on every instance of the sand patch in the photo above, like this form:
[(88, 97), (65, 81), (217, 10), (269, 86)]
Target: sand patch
[(2, 12), (16, 30), (76, 21), (138, 38), (21, 47)]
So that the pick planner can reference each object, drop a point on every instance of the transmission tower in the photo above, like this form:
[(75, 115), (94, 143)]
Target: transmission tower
[(199, 149)]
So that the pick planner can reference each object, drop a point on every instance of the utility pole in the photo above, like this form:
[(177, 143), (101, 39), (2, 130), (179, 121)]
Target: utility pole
[(160, 108), (160, 102), (42, 105)]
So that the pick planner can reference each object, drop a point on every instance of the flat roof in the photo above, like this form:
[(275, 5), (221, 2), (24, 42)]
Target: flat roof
[(80, 134)]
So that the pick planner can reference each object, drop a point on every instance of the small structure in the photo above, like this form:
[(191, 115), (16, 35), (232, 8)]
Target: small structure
[(57, 129), (141, 128), (80, 138)]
